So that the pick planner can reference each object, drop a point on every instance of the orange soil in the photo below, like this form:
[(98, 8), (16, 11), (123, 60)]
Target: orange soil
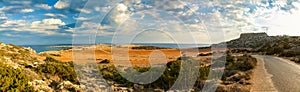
[(136, 57)]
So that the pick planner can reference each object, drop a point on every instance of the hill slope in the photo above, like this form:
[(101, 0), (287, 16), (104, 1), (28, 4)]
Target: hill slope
[(21, 70), (284, 46)]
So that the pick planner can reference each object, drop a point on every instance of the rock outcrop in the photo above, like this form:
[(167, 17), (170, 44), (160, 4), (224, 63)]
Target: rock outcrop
[(250, 40), (17, 56)]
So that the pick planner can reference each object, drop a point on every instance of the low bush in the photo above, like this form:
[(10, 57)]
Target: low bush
[(13, 80), (147, 47), (290, 54), (241, 51), (171, 73), (241, 64), (165, 82), (64, 70)]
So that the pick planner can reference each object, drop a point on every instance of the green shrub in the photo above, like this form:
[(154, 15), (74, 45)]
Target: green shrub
[(52, 67), (290, 54), (241, 50), (50, 59), (171, 73), (147, 47), (242, 64), (165, 81), (13, 80), (110, 72), (274, 50)]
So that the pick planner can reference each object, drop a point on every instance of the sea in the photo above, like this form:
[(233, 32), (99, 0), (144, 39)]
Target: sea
[(43, 48), (57, 47)]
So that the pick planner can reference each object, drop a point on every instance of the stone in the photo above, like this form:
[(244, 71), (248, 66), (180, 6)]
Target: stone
[(136, 86)]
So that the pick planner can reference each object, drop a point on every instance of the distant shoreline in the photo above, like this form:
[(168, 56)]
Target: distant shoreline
[(57, 47)]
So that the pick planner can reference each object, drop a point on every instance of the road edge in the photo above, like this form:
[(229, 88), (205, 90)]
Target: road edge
[(263, 82)]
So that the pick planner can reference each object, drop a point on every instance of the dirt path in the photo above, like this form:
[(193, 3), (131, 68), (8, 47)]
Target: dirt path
[(262, 79)]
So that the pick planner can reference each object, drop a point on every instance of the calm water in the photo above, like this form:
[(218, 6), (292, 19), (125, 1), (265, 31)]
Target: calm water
[(43, 48)]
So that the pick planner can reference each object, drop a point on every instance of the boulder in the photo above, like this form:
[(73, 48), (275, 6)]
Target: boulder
[(68, 86), (136, 86)]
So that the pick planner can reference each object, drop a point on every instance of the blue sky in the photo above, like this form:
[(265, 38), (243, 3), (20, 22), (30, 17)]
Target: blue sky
[(26, 22)]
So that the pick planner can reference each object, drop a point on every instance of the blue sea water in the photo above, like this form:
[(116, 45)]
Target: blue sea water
[(43, 48)]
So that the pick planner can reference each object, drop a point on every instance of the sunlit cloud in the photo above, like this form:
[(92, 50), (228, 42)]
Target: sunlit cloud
[(199, 17), (26, 10), (43, 6)]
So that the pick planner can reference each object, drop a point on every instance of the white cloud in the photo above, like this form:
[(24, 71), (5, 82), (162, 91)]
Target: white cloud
[(26, 10), (176, 24), (82, 19), (119, 13), (230, 16), (28, 17), (285, 23), (12, 23), (55, 15), (43, 6), (191, 10), (6, 8), (53, 21), (3, 17), (169, 5), (46, 26), (62, 4), (9, 35), (83, 10), (104, 9), (97, 8), (22, 2), (87, 28)]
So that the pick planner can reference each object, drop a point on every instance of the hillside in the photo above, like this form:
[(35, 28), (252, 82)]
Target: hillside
[(261, 43), (17, 56), (48, 74), (250, 40), (21, 66), (21, 70)]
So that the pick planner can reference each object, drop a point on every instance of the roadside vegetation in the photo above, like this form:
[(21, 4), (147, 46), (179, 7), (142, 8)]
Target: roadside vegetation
[(284, 46), (240, 63), (237, 72), (168, 78)]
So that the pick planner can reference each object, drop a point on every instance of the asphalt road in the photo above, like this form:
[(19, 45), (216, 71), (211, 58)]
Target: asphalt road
[(276, 74)]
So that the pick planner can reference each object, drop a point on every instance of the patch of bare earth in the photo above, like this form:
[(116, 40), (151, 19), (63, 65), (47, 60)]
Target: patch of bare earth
[(262, 79), (102, 52)]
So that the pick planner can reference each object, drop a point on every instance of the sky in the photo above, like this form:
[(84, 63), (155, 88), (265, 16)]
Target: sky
[(41, 22)]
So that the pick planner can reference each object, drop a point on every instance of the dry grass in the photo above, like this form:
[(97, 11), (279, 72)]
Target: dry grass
[(102, 52)]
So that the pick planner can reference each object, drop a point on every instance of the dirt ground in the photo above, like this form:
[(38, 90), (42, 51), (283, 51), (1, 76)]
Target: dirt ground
[(117, 53)]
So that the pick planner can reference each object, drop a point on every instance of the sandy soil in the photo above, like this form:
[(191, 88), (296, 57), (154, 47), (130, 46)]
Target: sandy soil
[(102, 52)]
